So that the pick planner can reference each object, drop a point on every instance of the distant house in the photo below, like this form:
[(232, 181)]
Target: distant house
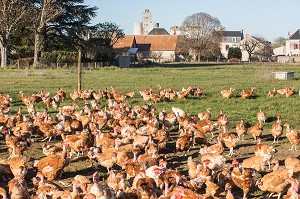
[(147, 45), (293, 44), (259, 45), (230, 39)]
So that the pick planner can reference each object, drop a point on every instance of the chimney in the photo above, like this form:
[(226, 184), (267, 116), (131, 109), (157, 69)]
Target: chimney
[(289, 34)]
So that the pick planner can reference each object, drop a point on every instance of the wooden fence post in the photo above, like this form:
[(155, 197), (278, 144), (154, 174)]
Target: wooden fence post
[(79, 71)]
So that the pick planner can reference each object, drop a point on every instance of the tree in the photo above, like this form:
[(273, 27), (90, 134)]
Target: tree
[(61, 21), (198, 32), (108, 32), (249, 44), (265, 51), (156, 56), (278, 42), (13, 12), (234, 53), (102, 38)]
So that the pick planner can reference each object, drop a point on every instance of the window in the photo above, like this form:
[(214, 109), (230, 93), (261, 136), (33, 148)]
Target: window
[(295, 46), (227, 47), (234, 39)]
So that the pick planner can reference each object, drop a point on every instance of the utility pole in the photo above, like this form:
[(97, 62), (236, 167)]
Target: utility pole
[(79, 71)]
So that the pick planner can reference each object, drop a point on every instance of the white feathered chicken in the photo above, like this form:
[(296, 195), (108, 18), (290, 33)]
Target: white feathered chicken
[(178, 112)]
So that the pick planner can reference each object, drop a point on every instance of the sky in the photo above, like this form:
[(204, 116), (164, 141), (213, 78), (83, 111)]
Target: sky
[(264, 18)]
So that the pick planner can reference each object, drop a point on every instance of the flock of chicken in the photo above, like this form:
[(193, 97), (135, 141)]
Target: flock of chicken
[(138, 141)]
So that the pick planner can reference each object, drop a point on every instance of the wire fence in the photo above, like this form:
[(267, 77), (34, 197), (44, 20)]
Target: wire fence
[(21, 64)]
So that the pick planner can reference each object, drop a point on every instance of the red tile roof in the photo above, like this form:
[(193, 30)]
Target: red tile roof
[(149, 42)]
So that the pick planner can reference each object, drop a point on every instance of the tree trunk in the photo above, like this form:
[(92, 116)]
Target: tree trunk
[(3, 46), (199, 56), (249, 57), (37, 49)]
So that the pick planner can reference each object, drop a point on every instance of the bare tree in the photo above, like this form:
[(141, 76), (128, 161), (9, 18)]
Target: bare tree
[(265, 50), (155, 55), (12, 14), (250, 44), (47, 10), (198, 32)]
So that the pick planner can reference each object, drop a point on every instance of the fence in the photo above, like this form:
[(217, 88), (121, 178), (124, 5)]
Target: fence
[(27, 64)]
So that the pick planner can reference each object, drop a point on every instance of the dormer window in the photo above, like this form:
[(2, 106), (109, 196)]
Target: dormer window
[(233, 39)]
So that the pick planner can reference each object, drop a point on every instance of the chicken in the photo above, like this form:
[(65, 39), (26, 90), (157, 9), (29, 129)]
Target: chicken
[(277, 129), (276, 181), (222, 119), (229, 194), (169, 120), (229, 140), (246, 94), (75, 95), (18, 188), (156, 98), (183, 193), (289, 92), (265, 151), (205, 126), (272, 93), (213, 190), (216, 161), (194, 168), (18, 166), (213, 149), (256, 130), (61, 93), (227, 93), (197, 91), (146, 188), (241, 129), (25, 99), (107, 162), (293, 136), (184, 142), (52, 149), (255, 162), (205, 115), (294, 164), (47, 129), (178, 112), (242, 177), (52, 166), (77, 142), (261, 116), (282, 91), (292, 192)]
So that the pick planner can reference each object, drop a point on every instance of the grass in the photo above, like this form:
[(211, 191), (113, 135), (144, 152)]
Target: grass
[(212, 79)]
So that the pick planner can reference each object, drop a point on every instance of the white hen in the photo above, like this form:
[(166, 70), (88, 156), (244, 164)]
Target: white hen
[(178, 112)]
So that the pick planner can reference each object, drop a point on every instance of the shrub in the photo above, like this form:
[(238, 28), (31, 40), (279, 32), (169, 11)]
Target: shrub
[(234, 53), (59, 57)]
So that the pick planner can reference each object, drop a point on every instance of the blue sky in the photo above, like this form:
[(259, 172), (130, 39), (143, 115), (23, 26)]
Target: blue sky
[(267, 18)]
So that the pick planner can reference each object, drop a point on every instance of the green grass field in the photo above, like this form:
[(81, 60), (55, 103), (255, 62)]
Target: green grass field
[(211, 78)]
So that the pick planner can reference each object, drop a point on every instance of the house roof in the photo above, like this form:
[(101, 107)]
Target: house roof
[(125, 42), (296, 35), (233, 34), (158, 31), (148, 42), (156, 42)]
